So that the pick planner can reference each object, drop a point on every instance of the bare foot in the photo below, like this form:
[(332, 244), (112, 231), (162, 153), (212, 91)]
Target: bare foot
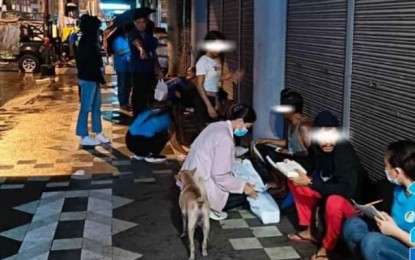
[(302, 237)]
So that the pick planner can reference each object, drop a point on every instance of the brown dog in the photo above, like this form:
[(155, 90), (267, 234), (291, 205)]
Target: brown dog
[(194, 206)]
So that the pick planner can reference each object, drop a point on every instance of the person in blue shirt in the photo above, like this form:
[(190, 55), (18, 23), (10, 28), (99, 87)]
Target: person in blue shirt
[(149, 132), (72, 39), (144, 64), (183, 89), (122, 57), (388, 237)]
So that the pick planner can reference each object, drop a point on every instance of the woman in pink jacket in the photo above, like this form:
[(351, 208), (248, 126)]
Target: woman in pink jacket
[(212, 154)]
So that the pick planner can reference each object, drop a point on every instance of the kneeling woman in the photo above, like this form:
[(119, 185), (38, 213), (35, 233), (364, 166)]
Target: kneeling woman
[(149, 133), (388, 237), (212, 154)]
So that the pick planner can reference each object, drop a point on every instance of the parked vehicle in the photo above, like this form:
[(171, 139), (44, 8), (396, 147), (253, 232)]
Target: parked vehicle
[(25, 44)]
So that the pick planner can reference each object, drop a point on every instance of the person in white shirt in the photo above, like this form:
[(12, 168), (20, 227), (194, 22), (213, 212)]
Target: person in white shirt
[(209, 77)]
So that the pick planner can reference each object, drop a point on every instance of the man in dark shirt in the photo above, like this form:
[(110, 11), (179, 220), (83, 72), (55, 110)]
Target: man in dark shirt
[(335, 179), (144, 64)]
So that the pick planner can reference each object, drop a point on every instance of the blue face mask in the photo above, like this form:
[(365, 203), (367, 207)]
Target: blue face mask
[(393, 181), (240, 132)]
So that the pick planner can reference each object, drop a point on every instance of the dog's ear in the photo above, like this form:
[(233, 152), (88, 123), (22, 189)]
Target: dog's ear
[(193, 171), (178, 176)]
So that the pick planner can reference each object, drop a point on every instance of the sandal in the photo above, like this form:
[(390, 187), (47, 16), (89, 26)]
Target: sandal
[(297, 238)]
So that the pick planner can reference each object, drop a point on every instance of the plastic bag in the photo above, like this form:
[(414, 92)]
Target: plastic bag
[(161, 91), (244, 170), (264, 206)]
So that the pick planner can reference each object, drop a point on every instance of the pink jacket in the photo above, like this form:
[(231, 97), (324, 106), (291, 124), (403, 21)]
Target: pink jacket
[(212, 153)]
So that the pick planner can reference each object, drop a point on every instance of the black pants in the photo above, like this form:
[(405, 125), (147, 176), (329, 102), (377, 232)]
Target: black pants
[(142, 146), (143, 91), (235, 201), (201, 111)]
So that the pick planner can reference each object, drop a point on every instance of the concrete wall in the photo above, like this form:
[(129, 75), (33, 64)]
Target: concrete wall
[(269, 63)]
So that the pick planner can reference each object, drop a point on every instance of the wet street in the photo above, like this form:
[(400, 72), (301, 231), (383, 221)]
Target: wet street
[(114, 207), (13, 84)]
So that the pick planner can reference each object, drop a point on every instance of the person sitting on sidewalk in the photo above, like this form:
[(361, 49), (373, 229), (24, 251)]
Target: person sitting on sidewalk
[(149, 132), (388, 236), (336, 178), (212, 154), (90, 74), (294, 146), (298, 138), (183, 89)]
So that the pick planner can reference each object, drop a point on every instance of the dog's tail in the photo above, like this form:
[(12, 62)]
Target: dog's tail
[(200, 201)]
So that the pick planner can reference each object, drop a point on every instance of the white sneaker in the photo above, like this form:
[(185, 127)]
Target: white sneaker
[(155, 158), (137, 157), (88, 141), (217, 215), (102, 139)]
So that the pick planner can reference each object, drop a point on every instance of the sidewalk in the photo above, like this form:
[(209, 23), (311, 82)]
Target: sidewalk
[(121, 209)]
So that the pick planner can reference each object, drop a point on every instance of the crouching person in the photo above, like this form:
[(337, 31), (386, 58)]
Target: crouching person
[(149, 133), (388, 235), (212, 154), (335, 180)]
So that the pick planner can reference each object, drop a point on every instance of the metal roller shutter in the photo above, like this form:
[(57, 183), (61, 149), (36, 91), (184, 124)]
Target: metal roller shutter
[(182, 30), (247, 51), (231, 22), (215, 15), (383, 91), (188, 35), (316, 38)]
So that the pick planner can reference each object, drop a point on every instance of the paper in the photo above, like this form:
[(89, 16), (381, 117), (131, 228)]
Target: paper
[(369, 210), (288, 168)]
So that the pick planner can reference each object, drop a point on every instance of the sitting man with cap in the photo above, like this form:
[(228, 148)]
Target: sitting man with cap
[(335, 180)]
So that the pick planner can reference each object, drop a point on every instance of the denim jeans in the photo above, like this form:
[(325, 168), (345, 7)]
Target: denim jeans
[(90, 102), (124, 82), (373, 245)]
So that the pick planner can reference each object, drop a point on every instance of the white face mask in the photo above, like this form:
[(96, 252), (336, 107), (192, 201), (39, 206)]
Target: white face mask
[(393, 181)]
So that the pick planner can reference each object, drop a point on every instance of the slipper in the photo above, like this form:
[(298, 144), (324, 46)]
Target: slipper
[(316, 256), (297, 238)]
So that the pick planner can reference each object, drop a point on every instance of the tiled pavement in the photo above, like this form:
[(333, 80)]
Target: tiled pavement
[(129, 216), (120, 209)]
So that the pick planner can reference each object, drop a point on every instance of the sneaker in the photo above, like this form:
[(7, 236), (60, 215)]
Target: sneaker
[(217, 215), (155, 158), (137, 157), (88, 141), (102, 139)]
